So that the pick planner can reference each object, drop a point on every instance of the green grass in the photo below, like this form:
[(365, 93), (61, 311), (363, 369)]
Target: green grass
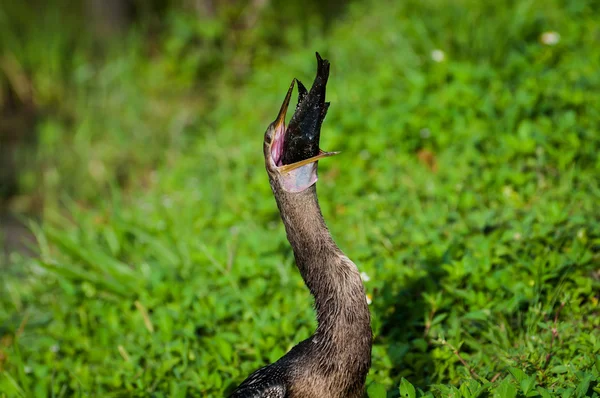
[(468, 190)]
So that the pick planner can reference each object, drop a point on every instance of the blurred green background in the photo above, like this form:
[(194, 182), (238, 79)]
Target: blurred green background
[(143, 254)]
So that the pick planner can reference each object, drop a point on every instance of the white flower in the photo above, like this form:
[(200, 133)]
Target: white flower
[(517, 236), (365, 277), (438, 55), (550, 38), (369, 299), (167, 201)]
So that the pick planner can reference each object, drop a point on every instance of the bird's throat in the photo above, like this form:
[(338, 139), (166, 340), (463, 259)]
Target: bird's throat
[(299, 179)]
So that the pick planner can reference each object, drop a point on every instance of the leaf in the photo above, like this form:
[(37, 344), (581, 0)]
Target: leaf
[(465, 392), (528, 384), (407, 390), (471, 388), (438, 319), (543, 392), (505, 390), (567, 393), (376, 390), (14, 384), (427, 394), (168, 364), (165, 254), (112, 241), (584, 385), (560, 369), (224, 348), (80, 274), (525, 382), (480, 315), (518, 374)]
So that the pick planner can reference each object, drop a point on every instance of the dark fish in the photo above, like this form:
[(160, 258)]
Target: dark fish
[(301, 139)]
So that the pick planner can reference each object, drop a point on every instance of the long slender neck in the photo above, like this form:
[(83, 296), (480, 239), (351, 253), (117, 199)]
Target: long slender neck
[(332, 278)]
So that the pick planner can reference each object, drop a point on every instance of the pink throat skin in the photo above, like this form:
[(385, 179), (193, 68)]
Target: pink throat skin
[(277, 147), (296, 180), (299, 179)]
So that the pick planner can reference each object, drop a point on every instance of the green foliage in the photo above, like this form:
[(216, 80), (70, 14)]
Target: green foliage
[(467, 190), (407, 390)]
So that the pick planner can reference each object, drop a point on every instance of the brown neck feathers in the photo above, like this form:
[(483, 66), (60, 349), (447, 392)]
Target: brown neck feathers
[(334, 281)]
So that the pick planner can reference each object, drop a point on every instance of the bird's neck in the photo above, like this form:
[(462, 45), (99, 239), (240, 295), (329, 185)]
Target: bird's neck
[(334, 281)]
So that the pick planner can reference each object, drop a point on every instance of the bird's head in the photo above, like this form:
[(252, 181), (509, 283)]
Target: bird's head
[(292, 153)]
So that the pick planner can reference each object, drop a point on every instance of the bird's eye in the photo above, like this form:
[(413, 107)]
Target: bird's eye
[(269, 136)]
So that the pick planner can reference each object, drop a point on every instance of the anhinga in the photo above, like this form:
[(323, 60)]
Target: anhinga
[(335, 360)]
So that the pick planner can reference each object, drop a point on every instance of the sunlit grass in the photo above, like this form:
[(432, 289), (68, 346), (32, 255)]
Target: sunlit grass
[(467, 191)]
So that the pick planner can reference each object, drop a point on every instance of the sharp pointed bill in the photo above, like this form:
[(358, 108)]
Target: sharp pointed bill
[(294, 151), (279, 128)]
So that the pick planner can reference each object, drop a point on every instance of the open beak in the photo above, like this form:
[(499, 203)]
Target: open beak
[(286, 168), (300, 141)]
